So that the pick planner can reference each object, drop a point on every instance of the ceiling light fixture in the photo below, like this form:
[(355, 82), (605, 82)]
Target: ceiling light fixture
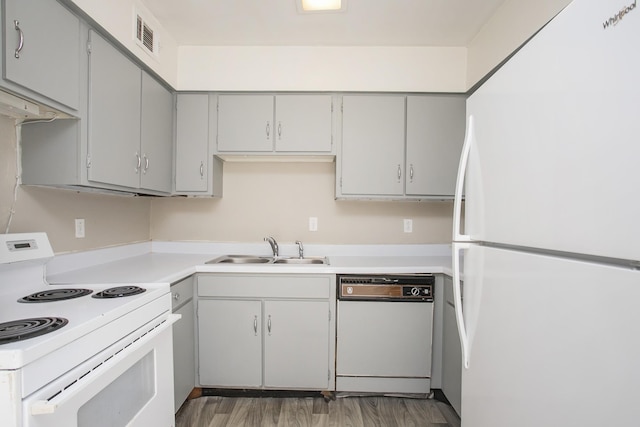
[(322, 5)]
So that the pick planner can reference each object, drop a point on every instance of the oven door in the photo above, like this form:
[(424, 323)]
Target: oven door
[(128, 384)]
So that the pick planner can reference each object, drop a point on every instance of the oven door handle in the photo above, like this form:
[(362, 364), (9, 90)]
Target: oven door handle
[(107, 368)]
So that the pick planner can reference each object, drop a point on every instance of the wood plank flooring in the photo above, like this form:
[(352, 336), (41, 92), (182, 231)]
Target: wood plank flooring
[(369, 411)]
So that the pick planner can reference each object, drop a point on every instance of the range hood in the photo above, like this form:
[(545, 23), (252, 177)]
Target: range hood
[(19, 108)]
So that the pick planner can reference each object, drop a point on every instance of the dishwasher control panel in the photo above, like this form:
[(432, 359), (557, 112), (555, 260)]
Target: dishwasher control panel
[(386, 287)]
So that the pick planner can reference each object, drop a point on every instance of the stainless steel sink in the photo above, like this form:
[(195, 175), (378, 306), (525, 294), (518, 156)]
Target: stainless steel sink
[(254, 259), (305, 260), (240, 259)]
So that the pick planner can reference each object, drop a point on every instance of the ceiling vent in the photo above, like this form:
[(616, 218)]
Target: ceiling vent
[(145, 35)]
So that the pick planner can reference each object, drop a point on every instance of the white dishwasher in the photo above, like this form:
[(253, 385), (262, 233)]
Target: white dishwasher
[(384, 333)]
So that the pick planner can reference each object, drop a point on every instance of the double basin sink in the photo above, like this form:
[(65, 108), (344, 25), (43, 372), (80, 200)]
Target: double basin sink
[(253, 259)]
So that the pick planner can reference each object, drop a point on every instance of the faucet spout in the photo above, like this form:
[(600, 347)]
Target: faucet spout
[(300, 249), (274, 245)]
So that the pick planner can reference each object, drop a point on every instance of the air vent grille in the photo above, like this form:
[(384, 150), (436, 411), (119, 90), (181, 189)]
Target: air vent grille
[(144, 35)]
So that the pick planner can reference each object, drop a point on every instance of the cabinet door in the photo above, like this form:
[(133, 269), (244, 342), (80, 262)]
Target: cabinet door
[(230, 343), (303, 123), (435, 133), (192, 142), (245, 123), (156, 142), (296, 344), (451, 352), (183, 354), (49, 60), (114, 116), (372, 153)]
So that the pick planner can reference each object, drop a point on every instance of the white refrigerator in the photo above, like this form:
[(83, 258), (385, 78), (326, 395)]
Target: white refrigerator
[(549, 316)]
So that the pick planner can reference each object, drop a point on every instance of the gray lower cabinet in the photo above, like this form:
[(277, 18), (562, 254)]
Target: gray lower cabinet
[(266, 331), (197, 171), (41, 45), (183, 340), (451, 352), (400, 147)]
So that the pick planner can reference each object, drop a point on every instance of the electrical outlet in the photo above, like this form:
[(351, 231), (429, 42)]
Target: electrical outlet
[(313, 223), (79, 228), (408, 226)]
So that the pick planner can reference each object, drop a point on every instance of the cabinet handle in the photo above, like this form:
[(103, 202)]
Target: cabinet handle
[(146, 164), (269, 324), (176, 296), (268, 130), (411, 172), (399, 173), (138, 162), (201, 169), (16, 24), (255, 325), (279, 130)]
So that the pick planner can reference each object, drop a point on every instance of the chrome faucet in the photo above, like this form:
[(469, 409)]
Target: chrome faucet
[(274, 245), (300, 248)]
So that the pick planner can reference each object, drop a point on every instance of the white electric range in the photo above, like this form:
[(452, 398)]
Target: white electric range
[(80, 355)]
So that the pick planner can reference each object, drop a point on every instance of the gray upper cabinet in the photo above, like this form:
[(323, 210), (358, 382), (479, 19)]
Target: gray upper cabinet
[(245, 123), (303, 123), (435, 133), (156, 139), (261, 123), (197, 171), (114, 116), (372, 152), (122, 139), (41, 45), (130, 122), (400, 147), (192, 142)]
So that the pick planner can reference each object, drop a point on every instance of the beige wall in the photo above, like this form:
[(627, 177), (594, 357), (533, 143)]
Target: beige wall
[(511, 25), (323, 68), (109, 220), (277, 199)]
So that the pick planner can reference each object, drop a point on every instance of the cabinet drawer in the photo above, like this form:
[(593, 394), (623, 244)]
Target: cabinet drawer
[(181, 292), (265, 286)]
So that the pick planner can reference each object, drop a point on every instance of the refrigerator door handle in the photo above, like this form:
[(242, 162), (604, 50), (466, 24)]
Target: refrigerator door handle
[(462, 170), (457, 300)]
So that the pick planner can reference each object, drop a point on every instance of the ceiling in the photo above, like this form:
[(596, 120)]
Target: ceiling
[(364, 23)]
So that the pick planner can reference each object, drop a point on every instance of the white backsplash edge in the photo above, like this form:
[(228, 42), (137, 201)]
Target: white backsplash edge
[(63, 263), (291, 249)]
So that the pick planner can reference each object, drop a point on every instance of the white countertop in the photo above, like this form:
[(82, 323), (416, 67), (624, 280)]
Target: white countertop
[(172, 261)]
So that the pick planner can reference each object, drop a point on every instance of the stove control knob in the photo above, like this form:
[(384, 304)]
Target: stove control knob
[(415, 291), (349, 290)]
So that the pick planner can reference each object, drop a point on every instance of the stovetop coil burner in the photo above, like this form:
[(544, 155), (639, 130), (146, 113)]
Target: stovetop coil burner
[(55, 295), (119, 292), (18, 330)]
